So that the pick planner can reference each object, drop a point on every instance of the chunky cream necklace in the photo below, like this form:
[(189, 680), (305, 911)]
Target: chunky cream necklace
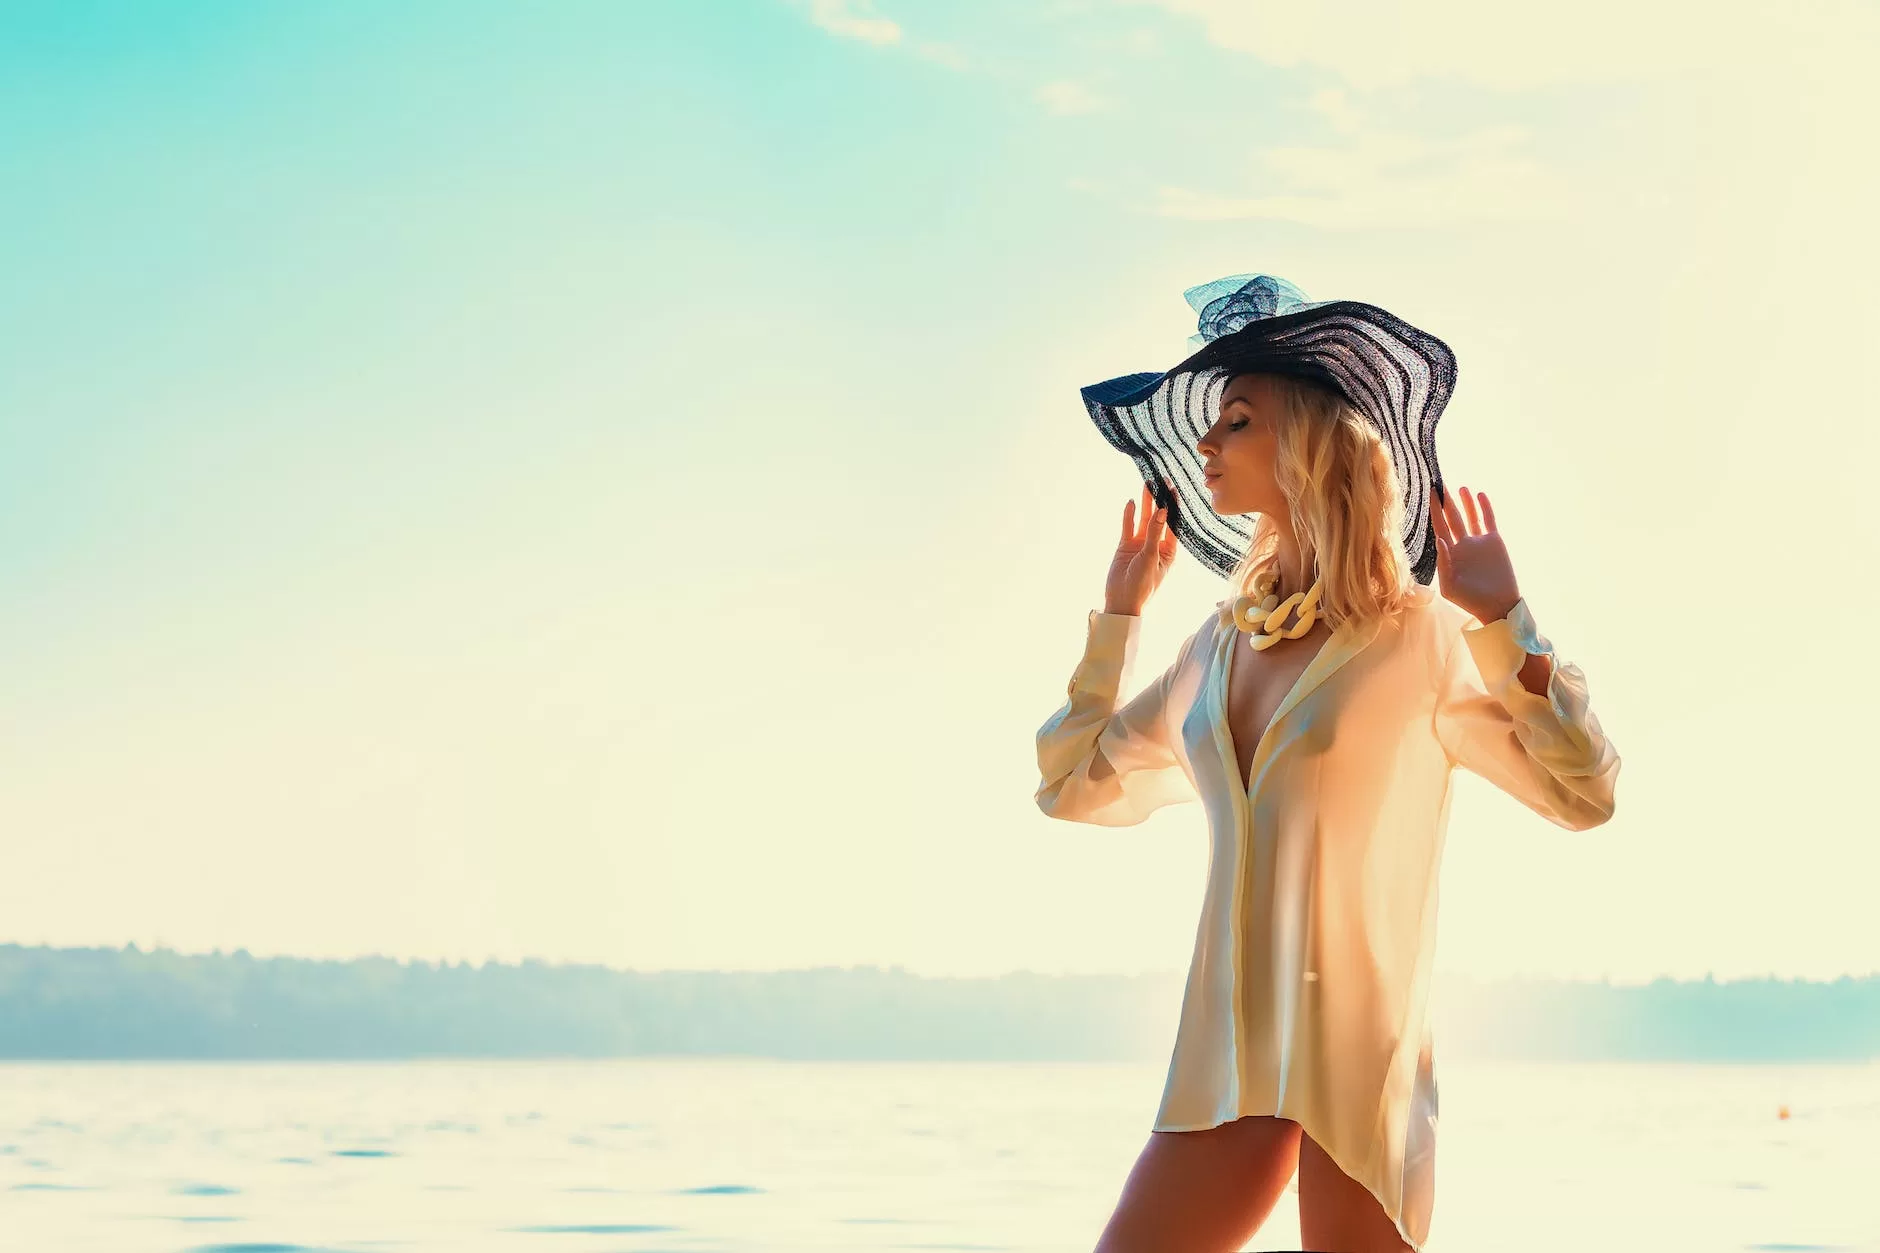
[(1262, 614)]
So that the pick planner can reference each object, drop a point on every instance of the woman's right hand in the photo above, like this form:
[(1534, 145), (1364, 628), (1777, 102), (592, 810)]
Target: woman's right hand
[(1143, 557)]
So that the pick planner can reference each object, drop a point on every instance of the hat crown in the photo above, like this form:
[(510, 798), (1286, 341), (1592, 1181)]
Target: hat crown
[(1230, 304)]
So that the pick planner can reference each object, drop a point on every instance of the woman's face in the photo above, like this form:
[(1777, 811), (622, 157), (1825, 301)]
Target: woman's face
[(1237, 452)]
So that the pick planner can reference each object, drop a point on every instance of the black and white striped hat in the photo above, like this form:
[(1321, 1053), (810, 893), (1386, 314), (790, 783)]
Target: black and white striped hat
[(1396, 375)]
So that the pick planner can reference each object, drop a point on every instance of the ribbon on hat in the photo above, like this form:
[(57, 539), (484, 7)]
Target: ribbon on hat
[(1230, 304)]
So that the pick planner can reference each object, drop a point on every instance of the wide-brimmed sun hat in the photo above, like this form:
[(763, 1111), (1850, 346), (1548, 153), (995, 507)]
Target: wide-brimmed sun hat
[(1397, 376)]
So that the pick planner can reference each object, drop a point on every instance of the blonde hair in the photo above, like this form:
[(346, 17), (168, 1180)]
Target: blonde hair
[(1347, 510)]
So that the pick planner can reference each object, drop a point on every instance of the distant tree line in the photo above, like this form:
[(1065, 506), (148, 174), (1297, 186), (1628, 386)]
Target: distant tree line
[(1664, 1020), (102, 1003)]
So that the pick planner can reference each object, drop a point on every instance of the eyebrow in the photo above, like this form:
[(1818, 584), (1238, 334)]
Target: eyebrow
[(1237, 400)]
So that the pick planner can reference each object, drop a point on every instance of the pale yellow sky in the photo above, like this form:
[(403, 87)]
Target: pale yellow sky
[(331, 691)]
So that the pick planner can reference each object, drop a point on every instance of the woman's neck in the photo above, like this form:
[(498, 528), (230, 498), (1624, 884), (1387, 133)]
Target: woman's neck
[(1293, 574)]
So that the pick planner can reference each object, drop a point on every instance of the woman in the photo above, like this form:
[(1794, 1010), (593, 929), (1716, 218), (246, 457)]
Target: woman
[(1317, 713)]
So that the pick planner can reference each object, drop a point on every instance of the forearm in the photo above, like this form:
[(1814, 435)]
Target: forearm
[(1102, 763), (1520, 717), (1538, 669), (1535, 673)]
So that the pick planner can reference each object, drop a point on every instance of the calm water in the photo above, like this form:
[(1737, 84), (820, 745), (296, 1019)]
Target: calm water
[(643, 1155)]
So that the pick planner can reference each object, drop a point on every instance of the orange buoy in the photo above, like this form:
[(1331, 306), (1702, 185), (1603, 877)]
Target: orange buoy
[(1782, 1111)]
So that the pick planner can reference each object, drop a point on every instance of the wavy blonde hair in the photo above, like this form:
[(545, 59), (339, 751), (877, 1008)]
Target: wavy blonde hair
[(1347, 510)]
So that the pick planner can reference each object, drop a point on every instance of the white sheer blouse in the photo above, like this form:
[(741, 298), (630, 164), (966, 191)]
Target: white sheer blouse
[(1307, 996)]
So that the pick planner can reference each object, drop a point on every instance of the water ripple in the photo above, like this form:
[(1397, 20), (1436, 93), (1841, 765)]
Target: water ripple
[(262, 1248), (596, 1229)]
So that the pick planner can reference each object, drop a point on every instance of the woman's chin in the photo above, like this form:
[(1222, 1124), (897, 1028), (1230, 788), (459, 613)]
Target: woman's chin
[(1224, 504)]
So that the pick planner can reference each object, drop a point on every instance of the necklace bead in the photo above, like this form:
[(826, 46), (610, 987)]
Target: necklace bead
[(1262, 615)]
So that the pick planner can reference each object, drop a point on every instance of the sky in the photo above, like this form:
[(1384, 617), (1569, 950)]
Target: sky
[(606, 483)]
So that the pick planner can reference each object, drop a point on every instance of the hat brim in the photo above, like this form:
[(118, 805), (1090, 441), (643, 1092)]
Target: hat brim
[(1399, 377)]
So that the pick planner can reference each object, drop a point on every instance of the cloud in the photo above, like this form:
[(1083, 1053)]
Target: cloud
[(1491, 43), (1065, 98), (1383, 178), (948, 55), (1339, 113), (856, 19), (853, 19)]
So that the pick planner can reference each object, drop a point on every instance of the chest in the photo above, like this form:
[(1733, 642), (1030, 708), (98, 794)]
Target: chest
[(1258, 682)]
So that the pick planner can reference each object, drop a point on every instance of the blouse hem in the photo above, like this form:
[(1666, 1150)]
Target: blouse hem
[(1396, 1220)]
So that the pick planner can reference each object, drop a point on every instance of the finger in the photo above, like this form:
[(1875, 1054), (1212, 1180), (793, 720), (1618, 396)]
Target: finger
[(1475, 518), (1439, 527), (1488, 512), (1152, 534), (1452, 515), (1439, 522), (1148, 511), (1129, 522)]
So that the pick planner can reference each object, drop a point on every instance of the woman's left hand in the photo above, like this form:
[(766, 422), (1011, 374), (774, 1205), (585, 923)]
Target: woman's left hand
[(1472, 563)]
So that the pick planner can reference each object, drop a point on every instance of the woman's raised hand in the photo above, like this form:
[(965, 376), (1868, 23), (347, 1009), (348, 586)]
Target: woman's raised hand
[(1472, 565), (1143, 556)]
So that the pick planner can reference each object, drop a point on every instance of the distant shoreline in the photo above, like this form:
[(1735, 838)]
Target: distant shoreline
[(85, 1004)]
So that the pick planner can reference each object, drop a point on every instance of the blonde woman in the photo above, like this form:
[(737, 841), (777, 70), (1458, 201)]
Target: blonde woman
[(1317, 713)]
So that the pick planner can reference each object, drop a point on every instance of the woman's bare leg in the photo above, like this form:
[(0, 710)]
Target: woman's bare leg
[(1203, 1191), (1337, 1214)]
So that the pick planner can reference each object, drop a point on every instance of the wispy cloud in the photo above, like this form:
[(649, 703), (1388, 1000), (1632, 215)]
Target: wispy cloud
[(854, 19), (1065, 97), (1338, 111), (948, 55), (857, 19), (1380, 177), (1490, 43)]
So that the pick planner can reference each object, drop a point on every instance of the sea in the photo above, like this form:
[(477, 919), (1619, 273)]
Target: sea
[(683, 1155)]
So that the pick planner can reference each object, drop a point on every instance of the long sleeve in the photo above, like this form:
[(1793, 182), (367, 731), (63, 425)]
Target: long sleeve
[(1548, 752), (1101, 764)]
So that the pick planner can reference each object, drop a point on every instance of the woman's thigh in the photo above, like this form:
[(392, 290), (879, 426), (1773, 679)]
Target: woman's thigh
[(1337, 1214), (1203, 1191)]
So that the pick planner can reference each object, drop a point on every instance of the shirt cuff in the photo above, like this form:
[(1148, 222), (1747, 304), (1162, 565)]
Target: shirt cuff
[(1501, 648), (1109, 649)]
